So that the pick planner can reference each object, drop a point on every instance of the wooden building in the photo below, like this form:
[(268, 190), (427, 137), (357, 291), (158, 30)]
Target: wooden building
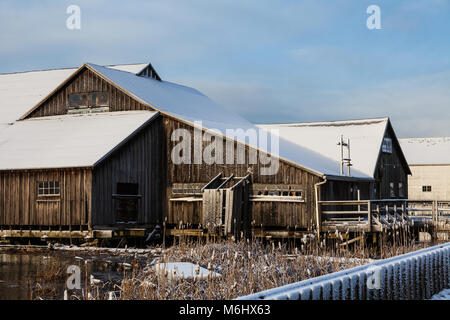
[(56, 171), (369, 146), (96, 154)]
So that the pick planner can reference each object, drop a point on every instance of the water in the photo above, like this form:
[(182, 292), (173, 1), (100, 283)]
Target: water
[(21, 270)]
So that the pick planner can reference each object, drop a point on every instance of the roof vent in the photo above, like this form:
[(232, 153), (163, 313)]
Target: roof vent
[(149, 72)]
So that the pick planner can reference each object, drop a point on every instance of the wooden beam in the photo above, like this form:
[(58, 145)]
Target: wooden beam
[(346, 243)]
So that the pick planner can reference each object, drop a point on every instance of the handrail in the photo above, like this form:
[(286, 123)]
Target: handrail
[(416, 275)]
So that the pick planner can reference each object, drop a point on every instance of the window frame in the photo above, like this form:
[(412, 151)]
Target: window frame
[(89, 100), (48, 188), (392, 193), (401, 190), (386, 146)]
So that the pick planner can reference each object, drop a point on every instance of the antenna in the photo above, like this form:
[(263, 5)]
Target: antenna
[(345, 161)]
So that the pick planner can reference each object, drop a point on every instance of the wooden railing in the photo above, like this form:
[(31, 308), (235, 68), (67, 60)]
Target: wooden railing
[(374, 215)]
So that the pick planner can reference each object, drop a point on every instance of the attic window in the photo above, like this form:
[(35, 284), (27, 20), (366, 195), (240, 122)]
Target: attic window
[(426, 188), (149, 72), (86, 100), (387, 145), (78, 101)]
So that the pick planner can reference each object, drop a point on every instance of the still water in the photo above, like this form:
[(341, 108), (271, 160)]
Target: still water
[(20, 271)]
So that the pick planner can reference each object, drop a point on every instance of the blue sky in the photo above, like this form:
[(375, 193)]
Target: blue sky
[(271, 61)]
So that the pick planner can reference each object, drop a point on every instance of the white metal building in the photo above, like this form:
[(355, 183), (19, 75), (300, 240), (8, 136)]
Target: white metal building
[(429, 161)]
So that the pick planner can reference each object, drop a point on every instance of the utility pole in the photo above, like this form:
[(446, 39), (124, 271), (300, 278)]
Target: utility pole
[(345, 161)]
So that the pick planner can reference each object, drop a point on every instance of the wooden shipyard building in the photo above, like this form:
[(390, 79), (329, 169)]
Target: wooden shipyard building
[(88, 152)]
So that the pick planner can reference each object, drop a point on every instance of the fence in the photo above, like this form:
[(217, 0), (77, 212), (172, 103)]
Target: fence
[(412, 276), (376, 215)]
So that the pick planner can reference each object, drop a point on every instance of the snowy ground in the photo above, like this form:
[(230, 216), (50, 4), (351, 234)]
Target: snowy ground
[(443, 295)]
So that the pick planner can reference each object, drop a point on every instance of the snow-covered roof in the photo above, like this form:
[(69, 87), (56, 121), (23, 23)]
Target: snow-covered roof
[(366, 136), (422, 151), (65, 141), (191, 105), (21, 91)]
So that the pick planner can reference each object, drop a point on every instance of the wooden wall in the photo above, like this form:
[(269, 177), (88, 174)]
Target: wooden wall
[(347, 190), (390, 169), (86, 82), (269, 214), (20, 204), (139, 161), (139, 164)]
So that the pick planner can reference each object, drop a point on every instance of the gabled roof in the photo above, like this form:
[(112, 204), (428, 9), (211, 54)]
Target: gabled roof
[(22, 90), (423, 151), (191, 105), (66, 141), (366, 137)]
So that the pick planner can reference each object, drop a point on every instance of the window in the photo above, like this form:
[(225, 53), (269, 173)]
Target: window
[(85, 100), (48, 188), (387, 145), (401, 191), (277, 191), (99, 99), (426, 188), (392, 190), (127, 188), (78, 101)]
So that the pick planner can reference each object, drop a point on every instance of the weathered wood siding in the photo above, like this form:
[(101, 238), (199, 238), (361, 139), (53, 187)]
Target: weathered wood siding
[(139, 161), (86, 82), (138, 164), (267, 214), (347, 190), (20, 204)]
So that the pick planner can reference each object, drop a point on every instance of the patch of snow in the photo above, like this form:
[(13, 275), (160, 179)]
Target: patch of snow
[(443, 295), (426, 150), (185, 270)]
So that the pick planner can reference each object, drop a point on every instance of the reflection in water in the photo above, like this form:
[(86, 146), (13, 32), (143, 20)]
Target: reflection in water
[(20, 270)]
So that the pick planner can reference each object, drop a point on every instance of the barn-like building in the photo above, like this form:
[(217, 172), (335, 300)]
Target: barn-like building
[(89, 152), (367, 145)]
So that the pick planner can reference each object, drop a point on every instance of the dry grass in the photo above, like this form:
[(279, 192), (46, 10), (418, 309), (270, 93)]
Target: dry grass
[(245, 267)]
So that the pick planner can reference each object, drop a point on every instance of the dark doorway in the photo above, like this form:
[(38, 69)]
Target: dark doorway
[(127, 198)]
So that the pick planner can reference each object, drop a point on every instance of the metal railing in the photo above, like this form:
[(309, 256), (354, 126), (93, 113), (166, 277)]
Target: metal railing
[(413, 276)]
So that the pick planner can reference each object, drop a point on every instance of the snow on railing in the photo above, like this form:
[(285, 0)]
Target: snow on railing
[(416, 275)]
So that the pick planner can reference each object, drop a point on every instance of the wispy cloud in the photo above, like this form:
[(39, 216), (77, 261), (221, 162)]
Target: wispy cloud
[(268, 60)]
